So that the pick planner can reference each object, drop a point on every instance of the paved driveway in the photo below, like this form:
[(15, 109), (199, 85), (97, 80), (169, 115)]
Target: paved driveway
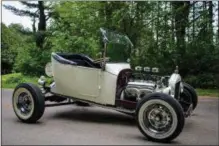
[(69, 125)]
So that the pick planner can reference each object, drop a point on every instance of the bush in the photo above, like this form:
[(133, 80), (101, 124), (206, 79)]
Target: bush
[(206, 80), (32, 61), (12, 80)]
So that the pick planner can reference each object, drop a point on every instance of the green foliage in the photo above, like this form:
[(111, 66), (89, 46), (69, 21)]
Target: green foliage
[(74, 31), (206, 80), (31, 60), (208, 92), (164, 34), (12, 80), (11, 41)]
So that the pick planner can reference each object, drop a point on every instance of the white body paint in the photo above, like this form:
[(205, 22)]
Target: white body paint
[(90, 84)]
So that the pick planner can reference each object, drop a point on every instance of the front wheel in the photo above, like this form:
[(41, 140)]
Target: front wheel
[(160, 117), (28, 102)]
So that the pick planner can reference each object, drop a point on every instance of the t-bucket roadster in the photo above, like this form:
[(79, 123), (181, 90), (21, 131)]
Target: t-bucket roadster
[(80, 80)]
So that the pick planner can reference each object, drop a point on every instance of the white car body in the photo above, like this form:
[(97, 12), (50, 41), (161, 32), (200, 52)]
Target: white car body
[(91, 84)]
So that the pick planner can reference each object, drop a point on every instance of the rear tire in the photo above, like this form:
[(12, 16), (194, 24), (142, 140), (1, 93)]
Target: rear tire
[(185, 100), (28, 102), (148, 118), (193, 94)]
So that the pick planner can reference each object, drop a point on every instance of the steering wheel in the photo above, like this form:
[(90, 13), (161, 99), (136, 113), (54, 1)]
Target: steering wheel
[(101, 60)]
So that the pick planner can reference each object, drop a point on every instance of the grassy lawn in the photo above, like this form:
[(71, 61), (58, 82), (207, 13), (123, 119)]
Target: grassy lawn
[(11, 80), (208, 92)]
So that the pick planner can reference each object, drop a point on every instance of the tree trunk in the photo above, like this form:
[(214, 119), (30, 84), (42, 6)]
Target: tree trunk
[(40, 36), (181, 9), (205, 25), (193, 24), (42, 20), (172, 26), (218, 21), (166, 36), (210, 27), (157, 29), (33, 25)]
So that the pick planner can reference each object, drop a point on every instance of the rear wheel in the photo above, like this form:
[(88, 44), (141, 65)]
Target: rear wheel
[(28, 102), (190, 91), (160, 117), (186, 100)]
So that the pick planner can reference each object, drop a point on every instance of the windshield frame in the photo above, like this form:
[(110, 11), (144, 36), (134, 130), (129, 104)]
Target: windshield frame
[(115, 40)]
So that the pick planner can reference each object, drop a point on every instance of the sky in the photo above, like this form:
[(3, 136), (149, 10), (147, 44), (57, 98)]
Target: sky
[(8, 17)]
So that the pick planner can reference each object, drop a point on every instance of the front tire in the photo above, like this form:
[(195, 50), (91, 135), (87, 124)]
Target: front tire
[(28, 102), (160, 117)]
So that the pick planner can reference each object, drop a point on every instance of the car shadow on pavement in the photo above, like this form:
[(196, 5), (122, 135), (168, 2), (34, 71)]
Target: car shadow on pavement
[(17, 121), (96, 116), (142, 138)]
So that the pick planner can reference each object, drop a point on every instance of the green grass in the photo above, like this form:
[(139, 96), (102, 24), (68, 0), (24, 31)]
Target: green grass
[(208, 92), (12, 80)]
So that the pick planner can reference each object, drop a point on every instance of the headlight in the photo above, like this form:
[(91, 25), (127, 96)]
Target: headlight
[(175, 85)]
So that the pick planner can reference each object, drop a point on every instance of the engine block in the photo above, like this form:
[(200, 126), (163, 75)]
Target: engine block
[(134, 91)]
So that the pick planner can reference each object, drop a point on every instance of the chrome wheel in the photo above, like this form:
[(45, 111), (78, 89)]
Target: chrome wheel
[(157, 119), (23, 103)]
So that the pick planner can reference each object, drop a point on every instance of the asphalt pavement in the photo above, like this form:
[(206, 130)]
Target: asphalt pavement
[(74, 125)]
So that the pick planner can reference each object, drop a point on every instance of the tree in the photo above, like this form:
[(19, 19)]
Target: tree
[(181, 9), (11, 41), (38, 13), (218, 20)]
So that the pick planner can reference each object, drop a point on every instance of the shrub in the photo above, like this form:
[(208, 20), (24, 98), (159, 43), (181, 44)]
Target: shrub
[(14, 79), (206, 80), (31, 61)]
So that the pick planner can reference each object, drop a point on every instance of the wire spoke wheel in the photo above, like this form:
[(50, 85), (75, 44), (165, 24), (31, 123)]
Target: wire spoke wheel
[(28, 102), (157, 118), (23, 103), (160, 117)]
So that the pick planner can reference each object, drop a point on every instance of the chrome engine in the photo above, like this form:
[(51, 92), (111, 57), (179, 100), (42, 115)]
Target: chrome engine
[(136, 90)]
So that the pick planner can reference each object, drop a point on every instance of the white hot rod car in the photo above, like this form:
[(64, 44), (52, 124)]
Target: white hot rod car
[(80, 80)]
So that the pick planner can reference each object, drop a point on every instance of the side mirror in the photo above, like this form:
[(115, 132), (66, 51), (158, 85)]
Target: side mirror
[(155, 70)]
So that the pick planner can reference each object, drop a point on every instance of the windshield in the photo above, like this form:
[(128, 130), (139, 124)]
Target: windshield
[(118, 45)]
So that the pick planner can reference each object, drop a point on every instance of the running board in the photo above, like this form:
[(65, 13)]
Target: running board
[(58, 104), (119, 109)]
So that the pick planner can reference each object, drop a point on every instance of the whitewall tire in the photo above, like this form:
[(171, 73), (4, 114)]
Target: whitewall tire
[(28, 102), (160, 117)]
